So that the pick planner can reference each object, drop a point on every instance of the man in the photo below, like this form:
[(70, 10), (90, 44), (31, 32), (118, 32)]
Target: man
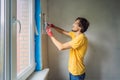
[(77, 46)]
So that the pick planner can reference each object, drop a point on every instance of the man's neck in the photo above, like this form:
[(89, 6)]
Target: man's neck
[(77, 33)]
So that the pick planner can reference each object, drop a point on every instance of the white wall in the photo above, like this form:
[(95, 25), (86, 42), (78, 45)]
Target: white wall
[(102, 59)]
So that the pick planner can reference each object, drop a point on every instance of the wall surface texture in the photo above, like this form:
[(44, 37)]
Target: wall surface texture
[(44, 36)]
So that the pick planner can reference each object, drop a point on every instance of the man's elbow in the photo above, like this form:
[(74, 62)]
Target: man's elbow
[(60, 49)]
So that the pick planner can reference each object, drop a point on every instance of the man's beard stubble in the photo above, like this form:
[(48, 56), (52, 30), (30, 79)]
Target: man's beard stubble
[(74, 30)]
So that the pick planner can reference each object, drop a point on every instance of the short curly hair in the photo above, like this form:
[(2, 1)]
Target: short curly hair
[(83, 23)]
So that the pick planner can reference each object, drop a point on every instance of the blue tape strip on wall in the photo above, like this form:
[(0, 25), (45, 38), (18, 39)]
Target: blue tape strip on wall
[(38, 37)]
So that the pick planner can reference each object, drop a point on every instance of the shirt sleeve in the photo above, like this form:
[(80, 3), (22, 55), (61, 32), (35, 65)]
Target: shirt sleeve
[(77, 42)]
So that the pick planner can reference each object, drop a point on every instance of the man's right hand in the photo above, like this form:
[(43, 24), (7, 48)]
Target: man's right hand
[(52, 25)]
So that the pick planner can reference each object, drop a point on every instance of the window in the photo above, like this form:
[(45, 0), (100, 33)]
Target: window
[(25, 38)]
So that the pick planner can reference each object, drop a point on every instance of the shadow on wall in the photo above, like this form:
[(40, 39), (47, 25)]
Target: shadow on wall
[(96, 55)]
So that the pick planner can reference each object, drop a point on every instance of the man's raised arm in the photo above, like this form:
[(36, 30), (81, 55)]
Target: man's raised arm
[(60, 30)]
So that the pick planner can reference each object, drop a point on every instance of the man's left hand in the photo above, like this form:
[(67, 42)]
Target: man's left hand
[(49, 32)]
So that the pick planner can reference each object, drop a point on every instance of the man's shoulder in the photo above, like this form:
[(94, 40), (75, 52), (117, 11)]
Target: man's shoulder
[(71, 33)]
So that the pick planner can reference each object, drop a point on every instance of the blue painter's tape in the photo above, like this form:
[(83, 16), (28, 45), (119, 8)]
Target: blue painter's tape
[(38, 58)]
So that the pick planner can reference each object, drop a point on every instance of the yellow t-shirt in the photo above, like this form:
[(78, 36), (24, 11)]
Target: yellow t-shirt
[(77, 52)]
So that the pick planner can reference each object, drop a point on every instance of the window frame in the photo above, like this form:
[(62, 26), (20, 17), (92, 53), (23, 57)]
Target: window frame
[(1, 39), (5, 24)]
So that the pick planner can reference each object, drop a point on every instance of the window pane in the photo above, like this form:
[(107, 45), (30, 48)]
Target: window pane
[(23, 38)]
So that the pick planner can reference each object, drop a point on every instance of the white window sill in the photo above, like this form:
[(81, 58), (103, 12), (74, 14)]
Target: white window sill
[(39, 75), (26, 72)]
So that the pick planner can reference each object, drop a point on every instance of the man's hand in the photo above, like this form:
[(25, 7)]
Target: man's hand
[(49, 32), (52, 25)]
